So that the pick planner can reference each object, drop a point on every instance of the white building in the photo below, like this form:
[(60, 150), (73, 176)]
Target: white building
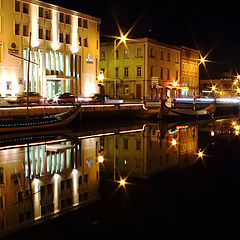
[(64, 49)]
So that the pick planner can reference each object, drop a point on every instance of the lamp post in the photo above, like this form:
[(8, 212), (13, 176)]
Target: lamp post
[(121, 39)]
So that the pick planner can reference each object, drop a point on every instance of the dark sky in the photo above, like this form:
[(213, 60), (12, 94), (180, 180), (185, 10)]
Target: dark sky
[(204, 25)]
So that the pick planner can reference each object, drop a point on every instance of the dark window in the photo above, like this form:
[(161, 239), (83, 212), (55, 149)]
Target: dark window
[(85, 23), (40, 33), (20, 197), (48, 13), (61, 17), (17, 29), (61, 37), (40, 12), (79, 22), (68, 19), (25, 30), (48, 35), (68, 38), (17, 6), (25, 8), (85, 42), (86, 178)]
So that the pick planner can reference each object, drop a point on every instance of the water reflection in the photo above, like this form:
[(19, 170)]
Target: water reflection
[(141, 154), (44, 176)]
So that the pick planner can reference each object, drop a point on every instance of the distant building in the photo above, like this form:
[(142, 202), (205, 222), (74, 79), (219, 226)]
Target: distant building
[(64, 46), (190, 70), (147, 69)]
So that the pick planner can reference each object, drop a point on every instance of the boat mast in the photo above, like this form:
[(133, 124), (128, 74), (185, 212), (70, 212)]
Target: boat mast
[(28, 73)]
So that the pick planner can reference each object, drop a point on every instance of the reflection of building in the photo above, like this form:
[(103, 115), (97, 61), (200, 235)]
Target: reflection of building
[(45, 179), (145, 68), (64, 45), (145, 153)]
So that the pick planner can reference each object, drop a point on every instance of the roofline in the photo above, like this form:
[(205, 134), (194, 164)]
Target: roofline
[(151, 40), (62, 9)]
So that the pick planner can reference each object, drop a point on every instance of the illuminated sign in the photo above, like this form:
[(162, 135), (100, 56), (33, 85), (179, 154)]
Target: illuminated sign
[(89, 58)]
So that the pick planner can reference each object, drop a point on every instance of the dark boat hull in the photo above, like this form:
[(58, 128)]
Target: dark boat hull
[(39, 123)]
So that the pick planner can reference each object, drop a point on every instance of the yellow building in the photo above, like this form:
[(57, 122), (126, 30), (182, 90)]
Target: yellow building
[(190, 70), (64, 49), (144, 69)]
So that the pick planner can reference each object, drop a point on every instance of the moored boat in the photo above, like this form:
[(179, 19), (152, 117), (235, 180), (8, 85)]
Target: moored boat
[(166, 112), (62, 119)]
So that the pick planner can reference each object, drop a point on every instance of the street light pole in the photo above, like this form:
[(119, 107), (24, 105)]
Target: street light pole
[(114, 67), (121, 39)]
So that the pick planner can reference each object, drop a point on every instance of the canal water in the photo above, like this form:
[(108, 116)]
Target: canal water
[(178, 179)]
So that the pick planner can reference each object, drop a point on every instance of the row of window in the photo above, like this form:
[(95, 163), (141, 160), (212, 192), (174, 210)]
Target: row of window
[(62, 38), (47, 13), (139, 55), (139, 72)]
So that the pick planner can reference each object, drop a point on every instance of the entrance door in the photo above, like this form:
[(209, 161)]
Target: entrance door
[(53, 87), (138, 91)]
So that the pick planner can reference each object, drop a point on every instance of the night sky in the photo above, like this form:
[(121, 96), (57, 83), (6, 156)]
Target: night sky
[(209, 26)]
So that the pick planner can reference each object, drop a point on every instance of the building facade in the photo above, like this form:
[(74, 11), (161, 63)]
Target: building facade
[(190, 70), (64, 49), (146, 69)]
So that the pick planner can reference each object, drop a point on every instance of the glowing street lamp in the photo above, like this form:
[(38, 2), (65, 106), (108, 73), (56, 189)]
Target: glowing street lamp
[(200, 154), (122, 182), (213, 88), (174, 142), (202, 60), (100, 159), (100, 78)]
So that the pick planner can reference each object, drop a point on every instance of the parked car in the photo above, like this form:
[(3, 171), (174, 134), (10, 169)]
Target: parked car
[(62, 98), (100, 98), (33, 97)]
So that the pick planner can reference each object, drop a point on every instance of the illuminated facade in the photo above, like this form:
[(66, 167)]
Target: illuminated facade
[(190, 70), (143, 153), (145, 68), (64, 49), (39, 180)]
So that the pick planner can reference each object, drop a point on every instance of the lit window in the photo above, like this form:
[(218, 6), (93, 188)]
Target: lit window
[(139, 71)]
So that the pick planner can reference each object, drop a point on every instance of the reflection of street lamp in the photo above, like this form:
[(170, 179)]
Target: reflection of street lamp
[(123, 39)]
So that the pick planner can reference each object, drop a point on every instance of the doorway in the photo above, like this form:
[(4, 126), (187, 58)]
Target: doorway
[(138, 91)]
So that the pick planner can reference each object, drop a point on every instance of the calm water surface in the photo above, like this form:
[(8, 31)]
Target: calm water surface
[(180, 180)]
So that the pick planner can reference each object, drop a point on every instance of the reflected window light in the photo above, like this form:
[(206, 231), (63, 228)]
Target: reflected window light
[(174, 142)]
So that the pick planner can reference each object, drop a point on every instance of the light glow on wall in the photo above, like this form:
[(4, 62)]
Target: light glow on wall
[(8, 81), (89, 86), (55, 45), (34, 22), (74, 47)]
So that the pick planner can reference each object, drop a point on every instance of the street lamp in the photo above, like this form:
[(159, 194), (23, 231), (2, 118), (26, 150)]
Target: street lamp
[(121, 39)]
